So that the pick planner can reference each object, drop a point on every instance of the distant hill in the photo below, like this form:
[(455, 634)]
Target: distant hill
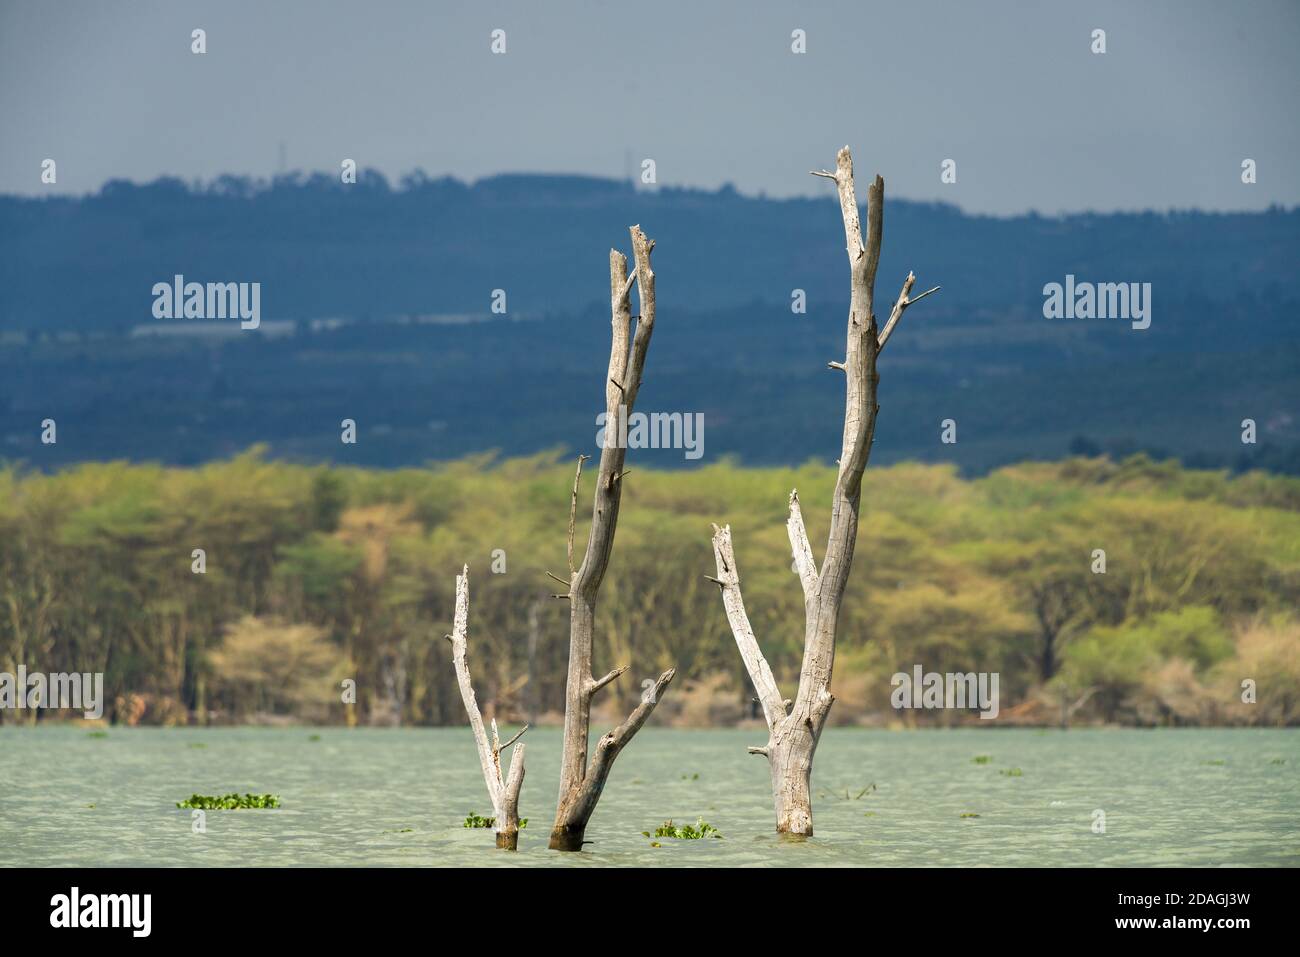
[(383, 300), (321, 248)]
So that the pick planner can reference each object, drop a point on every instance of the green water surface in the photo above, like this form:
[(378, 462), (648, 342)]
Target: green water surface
[(1205, 797)]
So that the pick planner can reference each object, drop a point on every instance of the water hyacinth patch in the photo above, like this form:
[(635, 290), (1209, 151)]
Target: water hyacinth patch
[(475, 820), (229, 802), (685, 832)]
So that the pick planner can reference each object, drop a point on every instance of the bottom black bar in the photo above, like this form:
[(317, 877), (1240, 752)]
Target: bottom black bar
[(236, 907)]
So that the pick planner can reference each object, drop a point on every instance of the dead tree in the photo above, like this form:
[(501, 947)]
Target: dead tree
[(504, 794), (794, 727), (581, 782)]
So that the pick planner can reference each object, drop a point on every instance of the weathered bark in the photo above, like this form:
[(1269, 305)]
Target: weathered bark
[(581, 783), (794, 727), (503, 794)]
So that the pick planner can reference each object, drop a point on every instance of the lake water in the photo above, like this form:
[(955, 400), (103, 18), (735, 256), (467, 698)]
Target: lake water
[(398, 797)]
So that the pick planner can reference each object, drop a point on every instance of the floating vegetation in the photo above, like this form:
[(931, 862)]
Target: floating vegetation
[(196, 744), (685, 832), (229, 802), (868, 813), (97, 734), (969, 814), (314, 737), (1012, 772), (1278, 761), (982, 758), (475, 820), (1217, 763), (691, 777)]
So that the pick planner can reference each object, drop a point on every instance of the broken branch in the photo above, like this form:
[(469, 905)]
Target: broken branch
[(900, 306), (760, 674), (803, 555)]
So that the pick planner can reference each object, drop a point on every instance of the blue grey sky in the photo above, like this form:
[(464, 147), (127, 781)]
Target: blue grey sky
[(710, 90)]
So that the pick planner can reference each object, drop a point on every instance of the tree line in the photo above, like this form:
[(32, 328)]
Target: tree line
[(316, 580)]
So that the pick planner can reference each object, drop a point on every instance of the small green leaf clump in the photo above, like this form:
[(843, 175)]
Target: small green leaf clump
[(229, 802), (970, 814), (475, 820), (685, 832), (1012, 772), (982, 758)]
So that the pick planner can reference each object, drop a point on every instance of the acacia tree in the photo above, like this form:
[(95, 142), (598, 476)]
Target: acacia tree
[(794, 726), (504, 794), (581, 782)]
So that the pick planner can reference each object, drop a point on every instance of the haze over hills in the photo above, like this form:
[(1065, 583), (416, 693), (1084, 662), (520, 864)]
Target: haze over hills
[(376, 305)]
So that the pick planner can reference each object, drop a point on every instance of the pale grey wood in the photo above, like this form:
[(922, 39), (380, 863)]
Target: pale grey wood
[(504, 795), (804, 561), (794, 727), (769, 695), (580, 784), (900, 307)]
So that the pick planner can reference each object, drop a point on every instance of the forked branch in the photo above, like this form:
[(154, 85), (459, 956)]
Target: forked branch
[(580, 784), (795, 726), (504, 794)]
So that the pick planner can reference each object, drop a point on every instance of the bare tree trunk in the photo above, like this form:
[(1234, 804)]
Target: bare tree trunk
[(504, 794), (581, 783), (794, 727)]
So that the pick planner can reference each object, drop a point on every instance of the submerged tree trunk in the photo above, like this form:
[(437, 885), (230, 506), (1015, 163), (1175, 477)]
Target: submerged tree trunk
[(581, 782), (794, 727), (503, 794)]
